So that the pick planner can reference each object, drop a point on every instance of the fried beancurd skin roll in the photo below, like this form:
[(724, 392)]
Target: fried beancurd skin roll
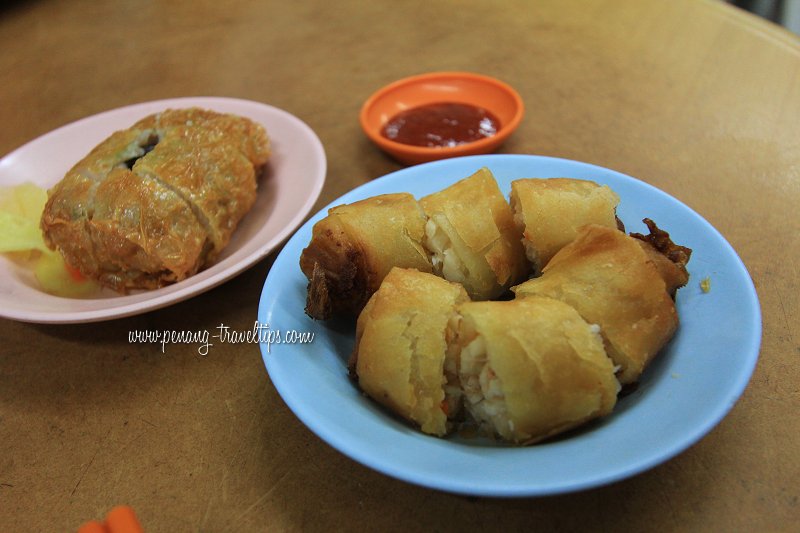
[(550, 211), (608, 278), (399, 357), (472, 237), (153, 204), (354, 248), (532, 368)]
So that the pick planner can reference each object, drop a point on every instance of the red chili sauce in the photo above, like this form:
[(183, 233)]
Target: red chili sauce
[(441, 125)]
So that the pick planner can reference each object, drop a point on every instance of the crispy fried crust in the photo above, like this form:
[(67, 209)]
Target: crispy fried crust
[(550, 212), (607, 276)]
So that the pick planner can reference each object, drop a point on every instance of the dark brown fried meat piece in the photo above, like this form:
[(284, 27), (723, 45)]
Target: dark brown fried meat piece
[(669, 258)]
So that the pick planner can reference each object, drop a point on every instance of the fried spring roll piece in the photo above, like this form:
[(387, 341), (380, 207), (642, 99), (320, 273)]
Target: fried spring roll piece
[(531, 368), (609, 279), (472, 237), (399, 357), (355, 246), (550, 211)]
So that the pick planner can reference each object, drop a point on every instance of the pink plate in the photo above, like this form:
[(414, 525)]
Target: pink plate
[(287, 193)]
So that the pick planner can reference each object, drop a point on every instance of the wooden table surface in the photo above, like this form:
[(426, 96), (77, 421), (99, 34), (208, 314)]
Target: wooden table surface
[(692, 96)]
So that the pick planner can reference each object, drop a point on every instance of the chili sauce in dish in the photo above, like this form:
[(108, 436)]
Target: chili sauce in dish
[(441, 125)]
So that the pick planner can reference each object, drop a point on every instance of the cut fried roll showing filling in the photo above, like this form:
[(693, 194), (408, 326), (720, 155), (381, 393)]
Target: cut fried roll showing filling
[(610, 280), (401, 345), (472, 237), (550, 211), (532, 368), (354, 248)]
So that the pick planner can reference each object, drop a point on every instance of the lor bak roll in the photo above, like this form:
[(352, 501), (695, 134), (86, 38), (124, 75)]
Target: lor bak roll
[(155, 203), (522, 370), (550, 211), (355, 246), (531, 368), (472, 237), (609, 278), (401, 345)]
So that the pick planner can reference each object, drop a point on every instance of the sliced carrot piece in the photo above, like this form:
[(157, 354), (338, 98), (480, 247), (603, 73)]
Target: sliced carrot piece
[(74, 273)]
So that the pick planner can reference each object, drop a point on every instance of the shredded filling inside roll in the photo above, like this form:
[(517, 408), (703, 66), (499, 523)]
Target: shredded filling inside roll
[(446, 261), (432, 406), (483, 390), (531, 253)]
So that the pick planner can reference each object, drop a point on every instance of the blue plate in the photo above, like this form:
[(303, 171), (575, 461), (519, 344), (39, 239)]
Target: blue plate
[(685, 392)]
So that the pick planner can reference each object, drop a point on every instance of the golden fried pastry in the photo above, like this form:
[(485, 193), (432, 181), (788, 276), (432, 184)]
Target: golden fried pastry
[(153, 204), (472, 237), (399, 357), (550, 211), (553, 358), (531, 368), (354, 248), (610, 280)]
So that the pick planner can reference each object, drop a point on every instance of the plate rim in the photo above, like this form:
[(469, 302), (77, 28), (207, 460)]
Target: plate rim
[(188, 288), (688, 438)]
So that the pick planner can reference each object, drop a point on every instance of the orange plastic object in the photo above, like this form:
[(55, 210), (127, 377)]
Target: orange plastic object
[(437, 87), (120, 519)]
